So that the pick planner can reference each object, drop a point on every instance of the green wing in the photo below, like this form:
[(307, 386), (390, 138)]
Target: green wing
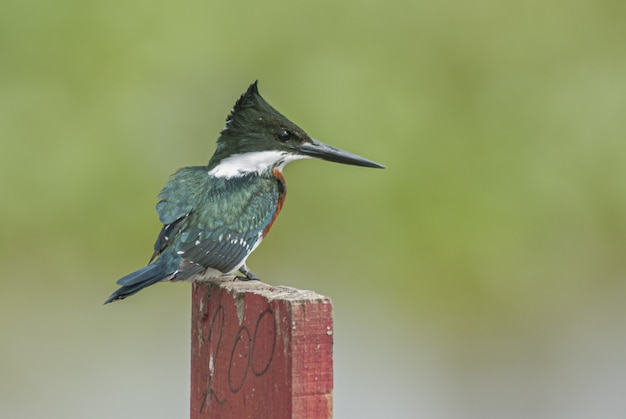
[(215, 222)]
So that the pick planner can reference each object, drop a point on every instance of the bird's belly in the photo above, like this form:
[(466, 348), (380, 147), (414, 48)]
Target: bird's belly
[(211, 274)]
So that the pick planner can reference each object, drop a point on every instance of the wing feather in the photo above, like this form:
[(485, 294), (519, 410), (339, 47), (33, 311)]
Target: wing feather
[(214, 222)]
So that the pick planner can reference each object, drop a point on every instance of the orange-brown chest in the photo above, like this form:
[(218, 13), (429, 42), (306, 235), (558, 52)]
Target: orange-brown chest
[(282, 194)]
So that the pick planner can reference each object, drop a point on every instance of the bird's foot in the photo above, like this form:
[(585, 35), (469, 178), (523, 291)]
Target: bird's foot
[(249, 276)]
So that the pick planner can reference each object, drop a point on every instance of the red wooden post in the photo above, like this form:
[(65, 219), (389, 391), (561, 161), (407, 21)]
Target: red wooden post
[(259, 351)]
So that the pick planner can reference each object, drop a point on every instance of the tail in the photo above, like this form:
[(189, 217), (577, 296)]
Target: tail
[(138, 280)]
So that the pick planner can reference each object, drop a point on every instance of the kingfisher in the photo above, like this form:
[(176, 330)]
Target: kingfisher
[(215, 216)]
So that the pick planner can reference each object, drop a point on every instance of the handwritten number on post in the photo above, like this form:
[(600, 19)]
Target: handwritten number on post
[(247, 352)]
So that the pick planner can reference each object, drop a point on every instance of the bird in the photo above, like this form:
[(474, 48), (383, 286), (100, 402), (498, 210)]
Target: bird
[(215, 216)]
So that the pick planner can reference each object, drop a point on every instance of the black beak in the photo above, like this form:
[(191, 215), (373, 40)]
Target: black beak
[(323, 151)]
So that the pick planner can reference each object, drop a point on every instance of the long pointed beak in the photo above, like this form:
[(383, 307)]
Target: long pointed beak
[(319, 150)]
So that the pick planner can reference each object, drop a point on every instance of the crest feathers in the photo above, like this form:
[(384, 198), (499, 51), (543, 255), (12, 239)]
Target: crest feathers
[(249, 98)]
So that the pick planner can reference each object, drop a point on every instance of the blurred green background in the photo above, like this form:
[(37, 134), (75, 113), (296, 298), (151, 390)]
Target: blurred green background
[(480, 276)]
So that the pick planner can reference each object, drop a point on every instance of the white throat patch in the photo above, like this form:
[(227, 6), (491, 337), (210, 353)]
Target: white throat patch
[(259, 162)]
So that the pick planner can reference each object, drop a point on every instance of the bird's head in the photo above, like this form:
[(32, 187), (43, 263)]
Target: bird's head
[(258, 138)]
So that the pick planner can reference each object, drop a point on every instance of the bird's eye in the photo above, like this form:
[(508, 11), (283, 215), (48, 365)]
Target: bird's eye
[(283, 135)]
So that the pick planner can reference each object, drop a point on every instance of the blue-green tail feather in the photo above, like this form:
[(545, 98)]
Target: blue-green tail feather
[(138, 280)]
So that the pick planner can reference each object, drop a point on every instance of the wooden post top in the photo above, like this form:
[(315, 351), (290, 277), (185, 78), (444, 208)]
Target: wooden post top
[(260, 351)]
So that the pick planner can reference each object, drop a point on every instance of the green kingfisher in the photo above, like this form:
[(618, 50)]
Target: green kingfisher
[(215, 216)]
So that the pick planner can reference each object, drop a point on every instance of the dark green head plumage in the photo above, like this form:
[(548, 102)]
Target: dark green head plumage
[(254, 125), (257, 137)]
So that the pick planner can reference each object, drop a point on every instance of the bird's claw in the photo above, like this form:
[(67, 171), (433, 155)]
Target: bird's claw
[(249, 276)]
